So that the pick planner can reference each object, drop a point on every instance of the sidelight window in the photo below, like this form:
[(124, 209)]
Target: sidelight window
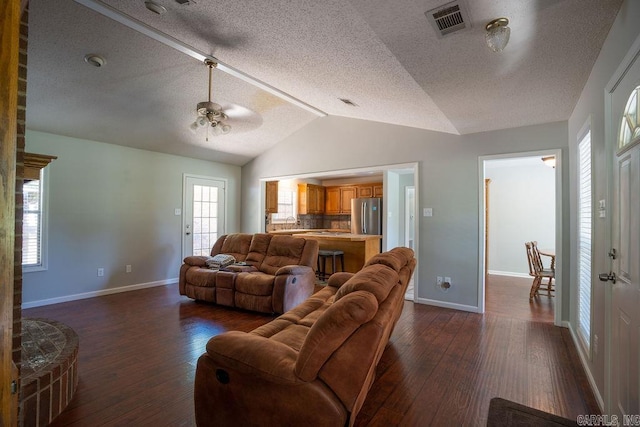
[(584, 238)]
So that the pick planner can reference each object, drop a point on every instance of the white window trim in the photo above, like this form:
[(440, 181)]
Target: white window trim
[(44, 225)]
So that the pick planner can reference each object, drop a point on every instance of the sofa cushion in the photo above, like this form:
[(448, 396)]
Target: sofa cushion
[(258, 248), (236, 245), (201, 277), (377, 279), (255, 283), (283, 250), (331, 329)]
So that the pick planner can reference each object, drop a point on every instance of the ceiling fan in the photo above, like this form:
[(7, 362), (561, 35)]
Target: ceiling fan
[(210, 113)]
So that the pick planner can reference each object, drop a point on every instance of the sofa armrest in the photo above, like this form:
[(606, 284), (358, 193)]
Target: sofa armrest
[(247, 379), (338, 279), (252, 354), (197, 260), (293, 269), (292, 285)]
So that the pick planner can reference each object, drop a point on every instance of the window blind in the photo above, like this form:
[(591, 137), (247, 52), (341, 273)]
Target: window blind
[(584, 238), (32, 224)]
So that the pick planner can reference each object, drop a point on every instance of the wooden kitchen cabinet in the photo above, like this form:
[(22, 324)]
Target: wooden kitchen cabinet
[(311, 199), (365, 190), (346, 194), (338, 200), (377, 190), (370, 190), (271, 199)]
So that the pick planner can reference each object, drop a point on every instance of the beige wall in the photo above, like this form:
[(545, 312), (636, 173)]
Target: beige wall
[(448, 182), (110, 206)]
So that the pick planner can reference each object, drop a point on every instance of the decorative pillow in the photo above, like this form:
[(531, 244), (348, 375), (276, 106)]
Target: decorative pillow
[(220, 261)]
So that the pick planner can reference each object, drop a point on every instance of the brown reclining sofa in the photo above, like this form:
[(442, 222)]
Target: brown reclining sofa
[(313, 365), (279, 273)]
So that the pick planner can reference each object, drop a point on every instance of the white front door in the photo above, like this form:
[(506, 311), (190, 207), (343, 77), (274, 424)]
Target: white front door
[(624, 359), (203, 219)]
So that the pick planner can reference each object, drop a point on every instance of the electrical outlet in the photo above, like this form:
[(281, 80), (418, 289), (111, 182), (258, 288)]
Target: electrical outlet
[(128, 268), (100, 272), (439, 281)]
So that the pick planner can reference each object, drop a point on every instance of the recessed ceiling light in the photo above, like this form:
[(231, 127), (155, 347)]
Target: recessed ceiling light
[(95, 60), (155, 7)]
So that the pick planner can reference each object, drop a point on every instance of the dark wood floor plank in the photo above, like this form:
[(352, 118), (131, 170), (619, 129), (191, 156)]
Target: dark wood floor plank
[(442, 367)]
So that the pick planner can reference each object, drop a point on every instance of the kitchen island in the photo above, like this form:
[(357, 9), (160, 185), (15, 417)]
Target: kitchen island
[(357, 248)]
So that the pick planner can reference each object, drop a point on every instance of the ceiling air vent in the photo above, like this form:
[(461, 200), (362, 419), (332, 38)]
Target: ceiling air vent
[(449, 18), (348, 102)]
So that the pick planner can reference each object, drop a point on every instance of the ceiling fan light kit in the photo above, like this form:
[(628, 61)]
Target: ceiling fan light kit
[(210, 113), (497, 35)]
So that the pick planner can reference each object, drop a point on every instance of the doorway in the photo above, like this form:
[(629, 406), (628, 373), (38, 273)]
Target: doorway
[(203, 220), (520, 203)]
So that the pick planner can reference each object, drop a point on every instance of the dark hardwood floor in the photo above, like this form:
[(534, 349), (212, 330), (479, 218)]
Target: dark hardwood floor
[(509, 296), (138, 352)]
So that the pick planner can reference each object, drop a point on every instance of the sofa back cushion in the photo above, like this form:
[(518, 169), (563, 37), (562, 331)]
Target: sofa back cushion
[(334, 326), (396, 258), (287, 250), (378, 279), (258, 249), (236, 245)]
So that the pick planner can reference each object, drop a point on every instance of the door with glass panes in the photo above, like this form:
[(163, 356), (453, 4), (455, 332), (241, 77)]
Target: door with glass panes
[(203, 219)]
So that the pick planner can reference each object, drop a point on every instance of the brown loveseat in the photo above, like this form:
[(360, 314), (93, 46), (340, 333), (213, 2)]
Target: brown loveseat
[(278, 273), (312, 366)]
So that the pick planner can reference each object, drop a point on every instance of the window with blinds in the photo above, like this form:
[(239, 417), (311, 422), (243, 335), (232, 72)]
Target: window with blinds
[(584, 238), (32, 224), (287, 203)]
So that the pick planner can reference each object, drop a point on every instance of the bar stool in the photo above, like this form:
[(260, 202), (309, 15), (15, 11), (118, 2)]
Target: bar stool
[(322, 262)]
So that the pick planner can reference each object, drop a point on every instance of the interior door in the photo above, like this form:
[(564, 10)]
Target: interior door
[(410, 216), (625, 275), (203, 219)]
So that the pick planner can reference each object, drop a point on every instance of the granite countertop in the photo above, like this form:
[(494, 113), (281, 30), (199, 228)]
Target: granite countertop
[(291, 231), (308, 230), (329, 235)]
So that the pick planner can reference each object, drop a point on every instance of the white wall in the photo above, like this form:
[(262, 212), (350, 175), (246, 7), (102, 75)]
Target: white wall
[(522, 208), (448, 183), (110, 206), (591, 108)]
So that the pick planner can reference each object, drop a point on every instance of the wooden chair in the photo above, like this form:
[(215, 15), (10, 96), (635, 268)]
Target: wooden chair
[(537, 270)]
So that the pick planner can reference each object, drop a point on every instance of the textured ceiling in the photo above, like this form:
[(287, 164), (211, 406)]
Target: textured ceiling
[(382, 55)]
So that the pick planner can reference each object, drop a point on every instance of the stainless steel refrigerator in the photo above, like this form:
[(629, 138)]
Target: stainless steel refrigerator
[(366, 215)]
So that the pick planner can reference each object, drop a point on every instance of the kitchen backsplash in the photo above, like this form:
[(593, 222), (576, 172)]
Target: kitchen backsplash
[(339, 222)]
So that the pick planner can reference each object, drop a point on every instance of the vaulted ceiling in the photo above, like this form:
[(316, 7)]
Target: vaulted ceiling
[(384, 56)]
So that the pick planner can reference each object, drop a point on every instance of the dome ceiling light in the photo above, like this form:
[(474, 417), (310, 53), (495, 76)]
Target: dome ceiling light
[(498, 33)]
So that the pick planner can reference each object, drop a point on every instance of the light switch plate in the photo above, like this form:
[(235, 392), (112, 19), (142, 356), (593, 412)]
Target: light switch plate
[(427, 212)]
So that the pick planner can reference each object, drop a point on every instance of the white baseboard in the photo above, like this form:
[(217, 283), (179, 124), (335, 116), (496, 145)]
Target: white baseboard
[(445, 304), (102, 292), (508, 273), (585, 366)]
